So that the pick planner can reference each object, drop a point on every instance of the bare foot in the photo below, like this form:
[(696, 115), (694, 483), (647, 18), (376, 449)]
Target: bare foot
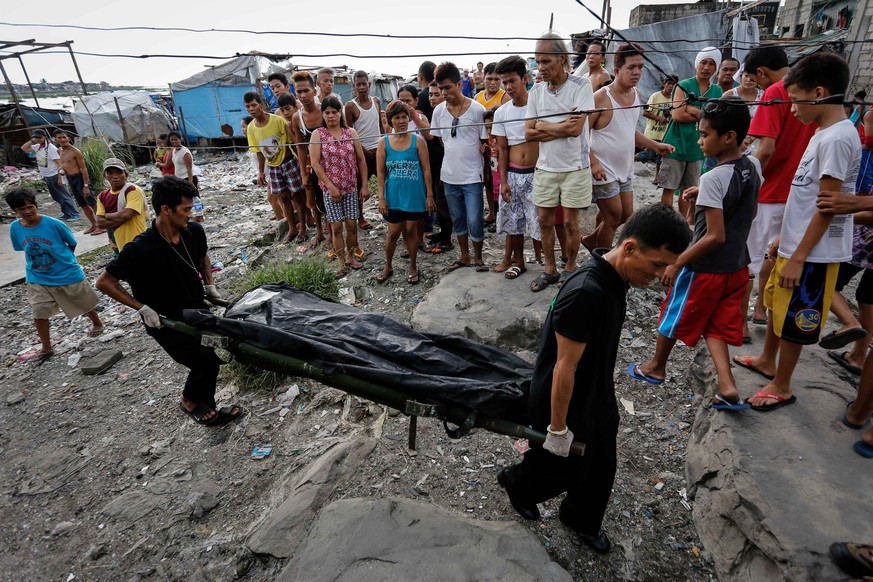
[(318, 238), (95, 331), (501, 266)]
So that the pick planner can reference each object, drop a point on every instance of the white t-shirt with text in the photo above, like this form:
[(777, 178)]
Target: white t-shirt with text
[(834, 151)]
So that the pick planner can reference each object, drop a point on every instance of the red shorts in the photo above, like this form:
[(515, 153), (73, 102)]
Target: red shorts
[(705, 304)]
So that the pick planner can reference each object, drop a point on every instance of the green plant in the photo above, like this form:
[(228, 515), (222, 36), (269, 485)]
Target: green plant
[(95, 151), (308, 273), (35, 185), (253, 378)]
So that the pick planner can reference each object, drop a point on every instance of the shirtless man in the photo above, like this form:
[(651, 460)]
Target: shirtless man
[(307, 120), (594, 57), (612, 161), (516, 162), (363, 115), (479, 78), (73, 167)]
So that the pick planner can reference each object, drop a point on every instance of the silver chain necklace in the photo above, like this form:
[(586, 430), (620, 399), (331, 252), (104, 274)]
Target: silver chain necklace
[(190, 261)]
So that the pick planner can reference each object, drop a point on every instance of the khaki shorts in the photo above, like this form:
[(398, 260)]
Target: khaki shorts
[(567, 189), (74, 299), (678, 175)]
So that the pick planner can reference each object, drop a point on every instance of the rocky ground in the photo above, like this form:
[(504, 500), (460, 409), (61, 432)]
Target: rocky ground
[(105, 479)]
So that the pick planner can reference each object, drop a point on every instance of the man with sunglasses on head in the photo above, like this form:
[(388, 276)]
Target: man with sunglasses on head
[(459, 123)]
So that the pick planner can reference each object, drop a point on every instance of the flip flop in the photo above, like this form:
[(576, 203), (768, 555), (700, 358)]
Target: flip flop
[(412, 278), (225, 415), (836, 340), (481, 267), (846, 422), (543, 281), (721, 403), (95, 331), (744, 362), (854, 559), (41, 357), (863, 449), (364, 225), (360, 254), (747, 339), (512, 273), (780, 401), (199, 412), (383, 276), (635, 372), (757, 321), (841, 360), (404, 254), (355, 264), (457, 265)]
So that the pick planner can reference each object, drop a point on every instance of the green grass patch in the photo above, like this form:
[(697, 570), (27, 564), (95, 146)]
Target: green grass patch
[(94, 256), (311, 274), (308, 273)]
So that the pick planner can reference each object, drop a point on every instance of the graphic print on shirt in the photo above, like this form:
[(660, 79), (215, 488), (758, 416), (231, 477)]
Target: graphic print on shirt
[(41, 259), (270, 147), (403, 170)]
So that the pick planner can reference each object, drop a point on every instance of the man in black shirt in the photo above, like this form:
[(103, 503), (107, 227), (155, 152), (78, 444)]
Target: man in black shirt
[(572, 391), (166, 267)]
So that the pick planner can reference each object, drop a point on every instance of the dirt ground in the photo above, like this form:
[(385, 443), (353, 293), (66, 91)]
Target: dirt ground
[(105, 479)]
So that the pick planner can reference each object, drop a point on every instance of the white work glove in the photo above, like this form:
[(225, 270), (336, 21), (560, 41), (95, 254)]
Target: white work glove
[(150, 317), (558, 443), (212, 292)]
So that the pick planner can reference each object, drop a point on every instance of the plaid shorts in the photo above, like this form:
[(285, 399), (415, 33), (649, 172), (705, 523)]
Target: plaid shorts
[(286, 177), (345, 209)]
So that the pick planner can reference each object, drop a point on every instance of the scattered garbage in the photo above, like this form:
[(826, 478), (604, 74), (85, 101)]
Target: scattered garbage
[(261, 452)]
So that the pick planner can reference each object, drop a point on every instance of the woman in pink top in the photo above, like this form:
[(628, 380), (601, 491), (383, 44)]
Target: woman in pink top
[(338, 159)]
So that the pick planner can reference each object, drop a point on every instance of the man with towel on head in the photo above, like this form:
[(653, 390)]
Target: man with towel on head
[(681, 169)]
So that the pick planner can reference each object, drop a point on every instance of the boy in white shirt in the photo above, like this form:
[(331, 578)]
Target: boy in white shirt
[(812, 244)]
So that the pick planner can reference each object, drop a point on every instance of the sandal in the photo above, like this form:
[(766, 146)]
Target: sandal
[(383, 276), (404, 254), (41, 357), (95, 331), (331, 255), (543, 281), (481, 267), (344, 270), (359, 254), (354, 264), (512, 273), (199, 413), (412, 278)]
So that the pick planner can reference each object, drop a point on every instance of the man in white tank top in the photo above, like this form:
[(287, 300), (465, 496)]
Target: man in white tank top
[(363, 115), (613, 134)]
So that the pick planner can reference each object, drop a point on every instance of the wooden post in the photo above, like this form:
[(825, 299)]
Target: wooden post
[(14, 97), (184, 126), (27, 78), (124, 132), (76, 66)]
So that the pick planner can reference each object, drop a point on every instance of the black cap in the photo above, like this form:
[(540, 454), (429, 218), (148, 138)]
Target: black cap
[(38, 133)]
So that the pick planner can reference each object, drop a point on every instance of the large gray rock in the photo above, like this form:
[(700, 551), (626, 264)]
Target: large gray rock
[(773, 491), (486, 307), (280, 535), (398, 539)]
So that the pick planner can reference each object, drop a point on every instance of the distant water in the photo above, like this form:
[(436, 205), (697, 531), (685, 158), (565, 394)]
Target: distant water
[(50, 102)]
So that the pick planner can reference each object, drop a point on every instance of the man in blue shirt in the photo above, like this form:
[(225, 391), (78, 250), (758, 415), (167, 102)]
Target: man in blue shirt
[(55, 281)]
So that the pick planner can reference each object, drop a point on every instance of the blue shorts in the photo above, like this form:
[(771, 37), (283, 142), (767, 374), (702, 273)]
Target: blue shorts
[(466, 207)]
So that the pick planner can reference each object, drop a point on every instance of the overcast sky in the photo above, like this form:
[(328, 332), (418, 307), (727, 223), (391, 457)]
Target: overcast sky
[(525, 18)]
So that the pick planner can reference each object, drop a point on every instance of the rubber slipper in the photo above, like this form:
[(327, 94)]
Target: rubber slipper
[(383, 276), (95, 331), (757, 321), (563, 278), (225, 415), (364, 225), (846, 422), (97, 231), (745, 362), (836, 340), (481, 267), (747, 339), (543, 281), (854, 559), (841, 360), (863, 449), (412, 278), (41, 357), (721, 403), (198, 413), (512, 273), (780, 401), (404, 254), (355, 265), (457, 265), (360, 254), (635, 372)]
